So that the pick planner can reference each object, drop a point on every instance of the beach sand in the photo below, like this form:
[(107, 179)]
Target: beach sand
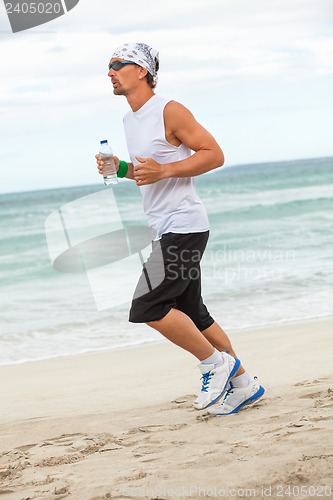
[(120, 424)]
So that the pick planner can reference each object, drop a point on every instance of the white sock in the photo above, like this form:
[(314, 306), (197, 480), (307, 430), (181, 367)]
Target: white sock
[(242, 380), (215, 359)]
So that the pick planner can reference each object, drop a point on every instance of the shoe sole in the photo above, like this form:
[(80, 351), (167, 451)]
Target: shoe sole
[(231, 374), (260, 392)]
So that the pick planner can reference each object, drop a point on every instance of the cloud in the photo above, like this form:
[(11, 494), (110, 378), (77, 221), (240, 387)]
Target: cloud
[(54, 77), (229, 40)]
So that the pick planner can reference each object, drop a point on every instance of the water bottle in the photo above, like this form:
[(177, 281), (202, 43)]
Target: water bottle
[(109, 170)]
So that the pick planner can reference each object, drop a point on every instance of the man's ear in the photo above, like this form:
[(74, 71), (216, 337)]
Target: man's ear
[(142, 73)]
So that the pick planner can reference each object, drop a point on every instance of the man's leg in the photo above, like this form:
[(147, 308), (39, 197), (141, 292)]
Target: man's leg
[(216, 368), (220, 340), (180, 330)]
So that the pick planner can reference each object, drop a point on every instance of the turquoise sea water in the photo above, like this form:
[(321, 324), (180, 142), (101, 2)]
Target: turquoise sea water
[(269, 260)]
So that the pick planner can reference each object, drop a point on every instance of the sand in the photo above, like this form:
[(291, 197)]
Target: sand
[(120, 424)]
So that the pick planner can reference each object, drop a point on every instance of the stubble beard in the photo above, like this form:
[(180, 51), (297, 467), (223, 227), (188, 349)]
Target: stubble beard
[(119, 90)]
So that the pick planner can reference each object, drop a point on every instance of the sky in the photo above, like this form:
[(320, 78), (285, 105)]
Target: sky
[(258, 74)]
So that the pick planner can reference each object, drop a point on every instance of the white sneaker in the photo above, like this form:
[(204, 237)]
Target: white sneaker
[(237, 397), (215, 380)]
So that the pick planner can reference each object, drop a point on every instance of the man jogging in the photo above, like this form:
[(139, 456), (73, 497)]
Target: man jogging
[(161, 135)]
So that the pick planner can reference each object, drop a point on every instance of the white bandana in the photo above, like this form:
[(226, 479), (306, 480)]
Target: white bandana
[(140, 53)]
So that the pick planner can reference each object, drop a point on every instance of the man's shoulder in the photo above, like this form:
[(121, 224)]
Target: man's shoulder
[(174, 109)]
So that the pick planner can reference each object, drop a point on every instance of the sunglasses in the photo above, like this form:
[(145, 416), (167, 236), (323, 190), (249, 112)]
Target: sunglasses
[(117, 65)]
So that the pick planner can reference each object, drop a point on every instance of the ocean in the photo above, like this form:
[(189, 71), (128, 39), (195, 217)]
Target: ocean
[(269, 259)]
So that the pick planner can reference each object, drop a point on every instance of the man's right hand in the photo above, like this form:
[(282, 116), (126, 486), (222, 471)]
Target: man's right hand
[(100, 163)]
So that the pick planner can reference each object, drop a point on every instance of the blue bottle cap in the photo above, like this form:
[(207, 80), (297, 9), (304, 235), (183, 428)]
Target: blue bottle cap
[(104, 142)]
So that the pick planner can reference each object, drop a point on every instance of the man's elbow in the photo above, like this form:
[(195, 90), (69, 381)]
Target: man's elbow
[(219, 158)]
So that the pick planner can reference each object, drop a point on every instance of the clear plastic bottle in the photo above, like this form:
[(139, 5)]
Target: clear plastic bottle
[(109, 170)]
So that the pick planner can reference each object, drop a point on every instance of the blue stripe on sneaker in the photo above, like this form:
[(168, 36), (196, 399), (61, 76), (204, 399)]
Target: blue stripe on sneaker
[(232, 373), (255, 396)]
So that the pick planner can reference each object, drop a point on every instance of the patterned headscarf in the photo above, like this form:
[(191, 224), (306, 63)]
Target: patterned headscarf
[(141, 54)]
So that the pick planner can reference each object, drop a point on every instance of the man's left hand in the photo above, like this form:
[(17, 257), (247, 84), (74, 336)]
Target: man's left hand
[(147, 171)]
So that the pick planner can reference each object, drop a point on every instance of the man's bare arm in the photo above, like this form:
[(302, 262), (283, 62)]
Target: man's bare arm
[(181, 125), (130, 172)]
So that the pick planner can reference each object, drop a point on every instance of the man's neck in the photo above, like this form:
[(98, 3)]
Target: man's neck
[(138, 99)]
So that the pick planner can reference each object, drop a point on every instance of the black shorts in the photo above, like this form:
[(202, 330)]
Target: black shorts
[(171, 278)]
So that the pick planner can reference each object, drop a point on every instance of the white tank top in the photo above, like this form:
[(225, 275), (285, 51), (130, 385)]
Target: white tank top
[(172, 205)]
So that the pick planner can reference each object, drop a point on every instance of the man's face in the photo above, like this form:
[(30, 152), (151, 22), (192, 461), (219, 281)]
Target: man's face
[(124, 79)]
